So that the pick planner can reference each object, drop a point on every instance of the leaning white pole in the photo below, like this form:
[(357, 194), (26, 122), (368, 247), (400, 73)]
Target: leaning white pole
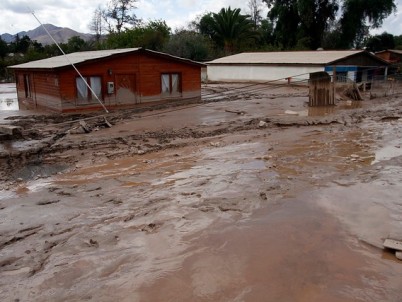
[(72, 64)]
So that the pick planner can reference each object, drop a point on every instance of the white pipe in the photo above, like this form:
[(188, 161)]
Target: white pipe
[(89, 87)]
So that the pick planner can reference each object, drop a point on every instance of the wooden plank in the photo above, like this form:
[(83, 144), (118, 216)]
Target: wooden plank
[(393, 244), (109, 125), (85, 126), (10, 130)]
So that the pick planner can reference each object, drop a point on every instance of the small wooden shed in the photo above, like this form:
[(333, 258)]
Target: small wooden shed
[(321, 92), (118, 77)]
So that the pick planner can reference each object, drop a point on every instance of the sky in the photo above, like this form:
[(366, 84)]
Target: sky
[(16, 15)]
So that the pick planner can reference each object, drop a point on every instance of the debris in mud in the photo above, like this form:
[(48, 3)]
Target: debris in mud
[(114, 201), (206, 209), (217, 144), (85, 126), (9, 131), (107, 124), (262, 124), (47, 202), (93, 242), (64, 193), (235, 111), (390, 118), (225, 208), (291, 112), (353, 93), (394, 245), (150, 228)]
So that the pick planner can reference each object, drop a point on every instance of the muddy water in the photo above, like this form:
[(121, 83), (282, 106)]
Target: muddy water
[(292, 214), (323, 245), (8, 97), (289, 216), (291, 252)]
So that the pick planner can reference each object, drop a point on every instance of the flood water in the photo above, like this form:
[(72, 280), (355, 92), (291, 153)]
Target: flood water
[(322, 244), (271, 214), (8, 97), (290, 252)]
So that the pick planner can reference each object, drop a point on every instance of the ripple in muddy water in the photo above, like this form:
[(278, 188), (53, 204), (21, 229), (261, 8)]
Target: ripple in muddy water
[(8, 97), (32, 171), (291, 252), (392, 150)]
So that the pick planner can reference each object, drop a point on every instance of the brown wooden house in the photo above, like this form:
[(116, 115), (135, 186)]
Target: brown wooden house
[(390, 55), (118, 77)]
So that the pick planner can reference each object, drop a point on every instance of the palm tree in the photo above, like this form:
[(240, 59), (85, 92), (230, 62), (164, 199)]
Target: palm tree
[(231, 29)]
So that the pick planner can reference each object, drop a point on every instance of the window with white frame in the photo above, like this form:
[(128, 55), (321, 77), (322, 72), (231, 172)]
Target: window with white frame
[(84, 94), (171, 83)]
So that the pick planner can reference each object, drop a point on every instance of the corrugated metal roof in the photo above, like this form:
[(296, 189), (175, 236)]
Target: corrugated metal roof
[(83, 56), (75, 58), (286, 57), (397, 51)]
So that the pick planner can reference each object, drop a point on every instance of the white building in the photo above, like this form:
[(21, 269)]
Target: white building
[(295, 66)]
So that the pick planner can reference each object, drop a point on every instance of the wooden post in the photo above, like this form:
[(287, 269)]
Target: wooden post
[(333, 84), (320, 92)]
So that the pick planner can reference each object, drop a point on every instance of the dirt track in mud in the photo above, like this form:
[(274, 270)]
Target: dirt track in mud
[(252, 196)]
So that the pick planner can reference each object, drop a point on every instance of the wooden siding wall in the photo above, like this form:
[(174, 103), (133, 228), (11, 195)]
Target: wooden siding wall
[(360, 60), (384, 55), (147, 69), (44, 90), (68, 90), (151, 68), (390, 56)]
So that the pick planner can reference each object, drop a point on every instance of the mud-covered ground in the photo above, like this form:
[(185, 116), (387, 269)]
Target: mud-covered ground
[(248, 196)]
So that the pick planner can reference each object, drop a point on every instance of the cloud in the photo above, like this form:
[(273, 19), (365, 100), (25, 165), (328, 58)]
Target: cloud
[(392, 24), (77, 15), (26, 6), (16, 14)]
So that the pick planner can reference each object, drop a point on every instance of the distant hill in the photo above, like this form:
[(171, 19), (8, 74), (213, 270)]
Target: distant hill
[(60, 34)]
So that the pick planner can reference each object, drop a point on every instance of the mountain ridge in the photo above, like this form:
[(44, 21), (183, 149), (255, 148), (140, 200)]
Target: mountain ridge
[(60, 34)]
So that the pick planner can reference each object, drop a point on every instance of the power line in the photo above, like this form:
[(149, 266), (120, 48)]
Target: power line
[(68, 60), (206, 98)]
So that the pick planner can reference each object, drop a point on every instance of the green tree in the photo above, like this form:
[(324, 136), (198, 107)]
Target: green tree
[(231, 30), (359, 16), (301, 22), (266, 34), (119, 14), (3, 48), (398, 42), (285, 16), (75, 44), (380, 42), (205, 25), (190, 45), (52, 50), (334, 23), (152, 35), (20, 45)]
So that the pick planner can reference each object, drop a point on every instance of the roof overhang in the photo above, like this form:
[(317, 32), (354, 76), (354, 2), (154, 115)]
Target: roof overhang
[(87, 57)]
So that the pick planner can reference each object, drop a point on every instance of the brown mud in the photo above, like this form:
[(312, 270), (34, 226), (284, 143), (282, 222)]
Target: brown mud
[(247, 197)]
